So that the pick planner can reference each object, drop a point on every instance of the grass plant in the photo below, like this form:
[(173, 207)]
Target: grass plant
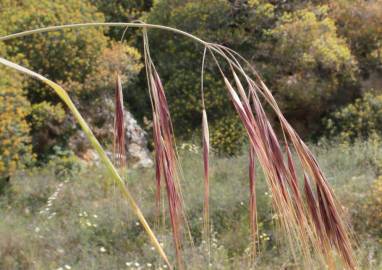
[(309, 213)]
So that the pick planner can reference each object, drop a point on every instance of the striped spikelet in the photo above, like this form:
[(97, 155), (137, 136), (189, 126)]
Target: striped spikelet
[(165, 153), (167, 159), (311, 218), (119, 126)]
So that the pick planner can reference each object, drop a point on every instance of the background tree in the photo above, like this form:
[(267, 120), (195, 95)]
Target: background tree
[(15, 147), (311, 68), (122, 11), (359, 120), (62, 56), (360, 23)]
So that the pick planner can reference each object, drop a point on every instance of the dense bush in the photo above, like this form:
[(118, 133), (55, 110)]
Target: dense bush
[(358, 120), (15, 147), (122, 11), (359, 21), (62, 56), (310, 66)]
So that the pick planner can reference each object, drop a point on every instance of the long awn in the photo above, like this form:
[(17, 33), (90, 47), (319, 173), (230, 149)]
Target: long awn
[(310, 215)]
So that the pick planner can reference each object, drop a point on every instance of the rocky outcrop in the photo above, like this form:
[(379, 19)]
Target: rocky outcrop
[(136, 138), (136, 143)]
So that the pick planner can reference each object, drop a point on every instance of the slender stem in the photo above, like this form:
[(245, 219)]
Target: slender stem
[(210, 46), (78, 25)]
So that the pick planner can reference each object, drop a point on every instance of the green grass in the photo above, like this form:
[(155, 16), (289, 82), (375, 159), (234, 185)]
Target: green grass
[(84, 226)]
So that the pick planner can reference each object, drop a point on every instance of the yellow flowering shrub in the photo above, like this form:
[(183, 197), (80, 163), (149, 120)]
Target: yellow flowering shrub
[(15, 148)]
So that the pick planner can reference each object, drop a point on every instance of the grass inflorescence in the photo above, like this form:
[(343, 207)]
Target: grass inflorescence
[(310, 215)]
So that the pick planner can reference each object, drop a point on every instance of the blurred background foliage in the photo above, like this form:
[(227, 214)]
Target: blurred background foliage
[(321, 59)]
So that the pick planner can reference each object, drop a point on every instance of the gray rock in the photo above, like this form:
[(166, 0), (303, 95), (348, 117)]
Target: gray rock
[(136, 138), (136, 143)]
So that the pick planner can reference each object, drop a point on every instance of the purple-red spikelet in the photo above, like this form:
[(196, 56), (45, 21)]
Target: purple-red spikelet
[(315, 223), (166, 160), (119, 126)]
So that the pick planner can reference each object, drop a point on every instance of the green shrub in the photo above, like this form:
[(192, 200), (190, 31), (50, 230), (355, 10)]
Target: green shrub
[(359, 22), (227, 136), (358, 120), (309, 67), (63, 56), (121, 11), (64, 163), (60, 55)]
